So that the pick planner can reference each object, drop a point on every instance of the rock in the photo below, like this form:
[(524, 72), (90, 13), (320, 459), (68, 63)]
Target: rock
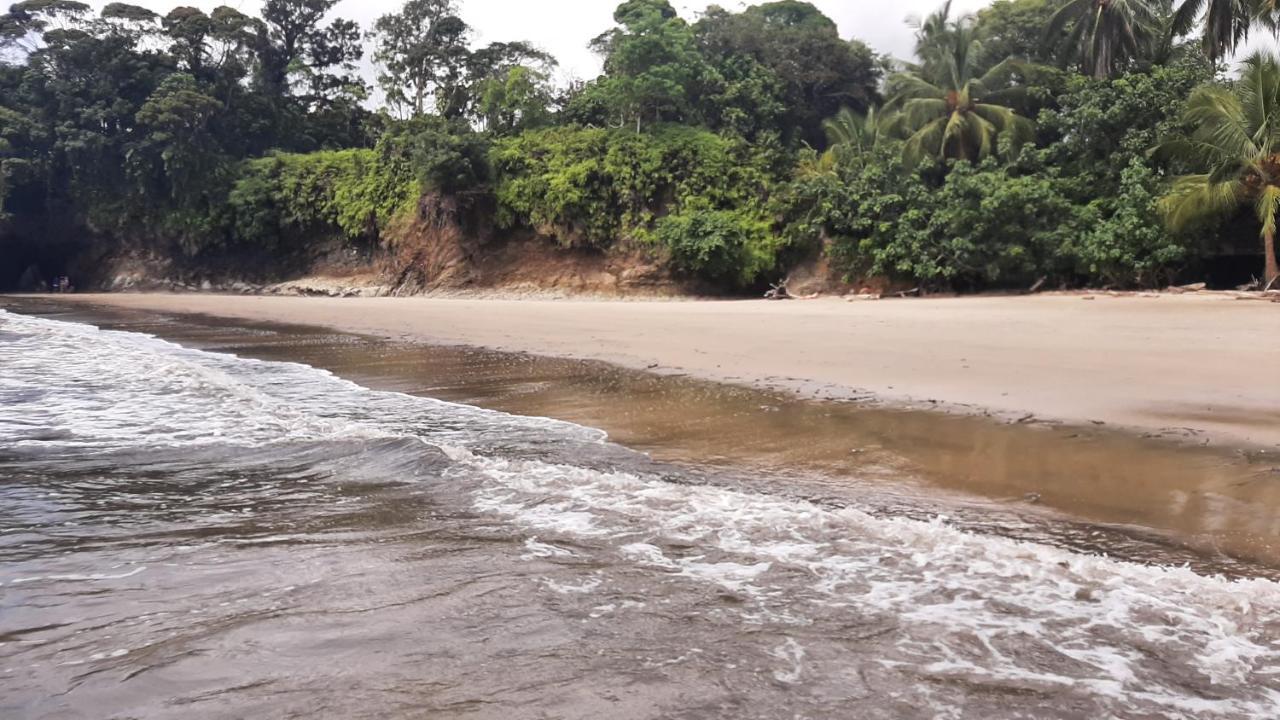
[(1193, 287), (123, 281)]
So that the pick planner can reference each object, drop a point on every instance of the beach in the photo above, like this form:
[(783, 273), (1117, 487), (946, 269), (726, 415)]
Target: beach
[(1196, 368)]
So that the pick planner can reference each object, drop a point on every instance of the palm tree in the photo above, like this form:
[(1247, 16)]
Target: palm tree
[(1236, 146), (952, 107), (851, 139), (858, 132), (932, 34), (1105, 35), (1226, 22)]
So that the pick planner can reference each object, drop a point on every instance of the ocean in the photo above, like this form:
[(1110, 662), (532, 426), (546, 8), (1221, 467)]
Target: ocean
[(199, 534)]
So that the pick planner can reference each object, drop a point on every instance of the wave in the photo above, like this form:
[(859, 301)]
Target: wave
[(950, 605)]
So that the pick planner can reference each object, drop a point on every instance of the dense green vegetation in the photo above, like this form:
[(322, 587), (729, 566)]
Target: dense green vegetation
[(1063, 141)]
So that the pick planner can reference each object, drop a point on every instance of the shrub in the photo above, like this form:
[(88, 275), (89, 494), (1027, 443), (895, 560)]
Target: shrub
[(727, 247), (983, 226), (1123, 240), (351, 192), (444, 156), (594, 187)]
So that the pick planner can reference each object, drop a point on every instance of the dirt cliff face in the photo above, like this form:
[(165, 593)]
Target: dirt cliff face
[(452, 246), (448, 245)]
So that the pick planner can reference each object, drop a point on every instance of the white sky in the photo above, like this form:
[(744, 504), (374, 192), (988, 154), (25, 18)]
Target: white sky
[(564, 27)]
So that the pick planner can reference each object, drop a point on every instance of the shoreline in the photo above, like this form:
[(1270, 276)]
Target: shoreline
[(1184, 368)]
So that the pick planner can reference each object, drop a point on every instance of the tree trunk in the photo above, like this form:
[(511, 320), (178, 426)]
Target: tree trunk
[(1269, 250)]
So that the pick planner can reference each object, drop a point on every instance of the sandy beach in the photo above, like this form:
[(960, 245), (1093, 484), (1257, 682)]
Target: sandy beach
[(1193, 367)]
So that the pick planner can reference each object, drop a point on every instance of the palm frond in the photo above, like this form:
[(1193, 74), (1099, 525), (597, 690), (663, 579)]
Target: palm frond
[(924, 142), (1194, 198), (1185, 17), (907, 86), (1265, 206), (1103, 38), (923, 110)]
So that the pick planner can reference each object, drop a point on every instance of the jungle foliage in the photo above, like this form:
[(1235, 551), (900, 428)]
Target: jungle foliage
[(1016, 145)]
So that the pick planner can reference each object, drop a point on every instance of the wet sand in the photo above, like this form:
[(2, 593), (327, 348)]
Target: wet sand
[(1193, 368)]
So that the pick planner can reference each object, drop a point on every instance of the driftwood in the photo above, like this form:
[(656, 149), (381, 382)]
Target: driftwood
[(1038, 284), (778, 291)]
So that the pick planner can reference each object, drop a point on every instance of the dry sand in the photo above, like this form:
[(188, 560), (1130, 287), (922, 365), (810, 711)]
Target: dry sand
[(1191, 366)]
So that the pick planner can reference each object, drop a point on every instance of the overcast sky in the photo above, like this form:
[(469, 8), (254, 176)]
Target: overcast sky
[(563, 27)]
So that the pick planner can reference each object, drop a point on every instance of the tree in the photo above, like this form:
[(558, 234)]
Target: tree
[(950, 103), (130, 18), (175, 153), (652, 64), (188, 28), (508, 86), (861, 131), (292, 43), (1235, 146), (329, 66), (852, 137), (1105, 36), (517, 99), (1226, 22), (1097, 126), (1016, 28), (423, 54), (34, 18), (782, 68)]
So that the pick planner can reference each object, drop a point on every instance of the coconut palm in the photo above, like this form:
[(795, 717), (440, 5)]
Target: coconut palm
[(1226, 22), (951, 106), (859, 132), (1103, 36), (1236, 146), (851, 138), (933, 32)]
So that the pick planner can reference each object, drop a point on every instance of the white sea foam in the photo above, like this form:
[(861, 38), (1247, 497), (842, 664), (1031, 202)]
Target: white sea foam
[(75, 386), (791, 653), (94, 577), (964, 603), (538, 549)]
